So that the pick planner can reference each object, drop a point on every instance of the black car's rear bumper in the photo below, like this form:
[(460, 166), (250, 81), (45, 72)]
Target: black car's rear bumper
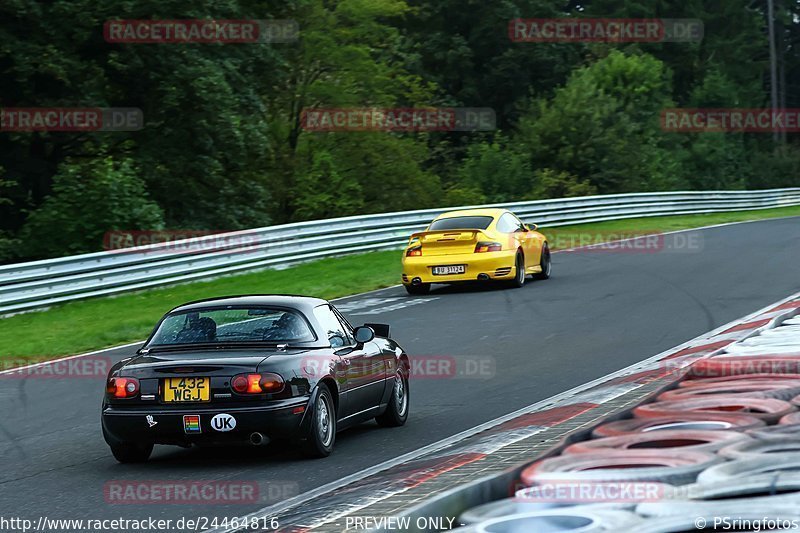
[(277, 420)]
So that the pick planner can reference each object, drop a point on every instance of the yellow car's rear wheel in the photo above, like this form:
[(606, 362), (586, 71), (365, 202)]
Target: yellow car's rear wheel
[(519, 267), (420, 288), (545, 263)]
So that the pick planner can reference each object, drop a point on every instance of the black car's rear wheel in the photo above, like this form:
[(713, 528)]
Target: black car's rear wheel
[(129, 452), (396, 412), (322, 431)]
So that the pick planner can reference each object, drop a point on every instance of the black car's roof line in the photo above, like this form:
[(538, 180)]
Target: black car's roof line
[(222, 345)]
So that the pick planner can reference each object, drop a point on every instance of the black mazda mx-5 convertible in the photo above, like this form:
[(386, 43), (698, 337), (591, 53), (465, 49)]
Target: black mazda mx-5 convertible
[(249, 369)]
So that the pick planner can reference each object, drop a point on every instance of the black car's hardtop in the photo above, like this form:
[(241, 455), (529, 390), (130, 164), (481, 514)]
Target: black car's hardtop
[(304, 305)]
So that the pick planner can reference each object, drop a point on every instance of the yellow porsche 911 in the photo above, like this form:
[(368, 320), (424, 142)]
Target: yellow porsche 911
[(475, 245)]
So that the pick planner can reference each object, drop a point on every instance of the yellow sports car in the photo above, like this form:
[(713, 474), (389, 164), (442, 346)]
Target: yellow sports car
[(474, 245)]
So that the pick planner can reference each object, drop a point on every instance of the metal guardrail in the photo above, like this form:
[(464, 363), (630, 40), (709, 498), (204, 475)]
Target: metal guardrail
[(38, 284)]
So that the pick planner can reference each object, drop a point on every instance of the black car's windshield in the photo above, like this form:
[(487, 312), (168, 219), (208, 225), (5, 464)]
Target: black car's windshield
[(227, 325), (460, 223)]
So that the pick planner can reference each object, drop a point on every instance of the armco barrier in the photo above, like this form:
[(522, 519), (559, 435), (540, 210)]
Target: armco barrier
[(38, 284)]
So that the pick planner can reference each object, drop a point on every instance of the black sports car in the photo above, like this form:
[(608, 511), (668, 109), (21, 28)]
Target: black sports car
[(253, 368)]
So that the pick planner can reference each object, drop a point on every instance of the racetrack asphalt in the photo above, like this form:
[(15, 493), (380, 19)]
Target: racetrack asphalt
[(601, 311)]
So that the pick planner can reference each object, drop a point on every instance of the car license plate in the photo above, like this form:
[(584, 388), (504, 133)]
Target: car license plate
[(187, 389), (451, 269)]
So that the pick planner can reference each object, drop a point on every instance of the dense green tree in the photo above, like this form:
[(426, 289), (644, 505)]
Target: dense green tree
[(224, 145), (603, 126), (548, 183), (498, 170), (323, 192), (108, 190)]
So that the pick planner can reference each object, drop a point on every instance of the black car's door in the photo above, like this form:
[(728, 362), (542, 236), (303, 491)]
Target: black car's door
[(364, 365)]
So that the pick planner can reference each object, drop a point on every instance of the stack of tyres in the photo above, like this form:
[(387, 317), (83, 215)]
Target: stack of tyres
[(562, 520), (724, 441), (776, 379), (754, 388), (666, 466), (767, 409), (686, 440), (764, 492), (689, 421)]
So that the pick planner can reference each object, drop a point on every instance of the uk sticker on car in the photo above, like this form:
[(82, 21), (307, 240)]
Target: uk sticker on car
[(223, 422)]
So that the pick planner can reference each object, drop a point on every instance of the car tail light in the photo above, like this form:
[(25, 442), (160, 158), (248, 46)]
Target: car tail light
[(239, 384), (482, 247), (271, 382), (257, 383), (414, 252), (122, 387)]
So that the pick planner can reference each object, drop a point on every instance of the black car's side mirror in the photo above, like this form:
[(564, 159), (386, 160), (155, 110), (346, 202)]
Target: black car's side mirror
[(363, 334)]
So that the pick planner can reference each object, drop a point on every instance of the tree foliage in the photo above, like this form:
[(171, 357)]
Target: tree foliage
[(223, 145)]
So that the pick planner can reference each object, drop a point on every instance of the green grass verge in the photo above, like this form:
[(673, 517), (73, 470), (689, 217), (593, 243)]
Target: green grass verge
[(97, 323)]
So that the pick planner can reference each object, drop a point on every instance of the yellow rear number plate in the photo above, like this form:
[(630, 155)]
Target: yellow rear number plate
[(187, 389)]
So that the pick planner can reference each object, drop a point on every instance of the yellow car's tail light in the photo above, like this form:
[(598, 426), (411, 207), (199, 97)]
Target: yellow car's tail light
[(482, 247)]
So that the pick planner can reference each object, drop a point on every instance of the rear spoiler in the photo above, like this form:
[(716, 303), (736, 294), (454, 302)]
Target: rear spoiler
[(421, 234), (381, 330)]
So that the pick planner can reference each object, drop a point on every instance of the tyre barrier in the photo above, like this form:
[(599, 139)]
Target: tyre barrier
[(725, 366), (762, 464), (663, 466), (779, 390), (700, 382), (768, 410), (725, 442), (506, 507), (532, 501), (775, 491), (684, 440), (764, 346), (690, 421), (778, 431), (757, 448), (568, 520)]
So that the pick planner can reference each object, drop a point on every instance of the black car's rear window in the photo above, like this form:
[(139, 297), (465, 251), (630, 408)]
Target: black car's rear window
[(460, 223), (231, 325)]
